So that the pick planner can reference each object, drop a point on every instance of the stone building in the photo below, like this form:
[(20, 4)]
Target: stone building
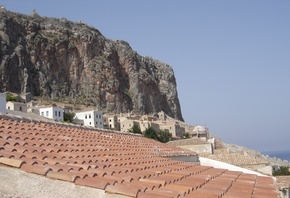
[(16, 106), (127, 124), (25, 97), (172, 127), (111, 122), (161, 116), (146, 124)]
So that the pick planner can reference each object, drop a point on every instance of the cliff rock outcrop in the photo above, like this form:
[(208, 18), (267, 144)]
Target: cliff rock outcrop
[(57, 58)]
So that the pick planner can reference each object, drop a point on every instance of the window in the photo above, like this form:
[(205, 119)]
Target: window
[(96, 123), (8, 107), (46, 113), (90, 123), (55, 113), (86, 117), (110, 120), (59, 114), (20, 108), (100, 123), (90, 116)]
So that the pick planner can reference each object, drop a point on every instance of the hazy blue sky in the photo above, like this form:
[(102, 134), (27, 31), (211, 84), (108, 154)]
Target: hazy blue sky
[(230, 58)]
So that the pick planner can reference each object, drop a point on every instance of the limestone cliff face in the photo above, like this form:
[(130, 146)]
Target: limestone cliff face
[(59, 59)]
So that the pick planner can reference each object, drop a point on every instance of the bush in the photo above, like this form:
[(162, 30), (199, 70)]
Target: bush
[(186, 135), (161, 136), (135, 129), (164, 136), (68, 117), (9, 97), (282, 170)]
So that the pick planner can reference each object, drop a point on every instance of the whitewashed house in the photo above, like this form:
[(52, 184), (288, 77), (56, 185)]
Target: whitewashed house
[(52, 112), (16, 106), (90, 118), (2, 103)]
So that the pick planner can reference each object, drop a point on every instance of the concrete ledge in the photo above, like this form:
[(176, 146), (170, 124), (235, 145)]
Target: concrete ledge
[(218, 164)]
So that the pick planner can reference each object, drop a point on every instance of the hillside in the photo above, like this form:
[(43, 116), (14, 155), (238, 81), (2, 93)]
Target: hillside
[(63, 60)]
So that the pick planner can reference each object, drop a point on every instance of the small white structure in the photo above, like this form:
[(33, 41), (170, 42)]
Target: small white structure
[(200, 132), (16, 106), (53, 112), (2, 103), (91, 118)]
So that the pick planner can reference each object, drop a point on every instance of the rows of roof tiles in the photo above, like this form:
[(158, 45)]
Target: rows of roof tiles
[(118, 163)]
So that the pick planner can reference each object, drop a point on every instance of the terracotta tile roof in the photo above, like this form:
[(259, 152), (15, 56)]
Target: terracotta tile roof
[(118, 163)]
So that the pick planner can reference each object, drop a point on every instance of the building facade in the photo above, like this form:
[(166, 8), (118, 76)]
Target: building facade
[(2, 103), (126, 125), (147, 124), (53, 112), (16, 106), (91, 118), (172, 127), (111, 122)]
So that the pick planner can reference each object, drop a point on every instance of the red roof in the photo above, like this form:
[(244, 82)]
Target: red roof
[(118, 163)]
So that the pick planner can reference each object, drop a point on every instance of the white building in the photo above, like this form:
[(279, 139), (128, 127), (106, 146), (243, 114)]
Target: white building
[(200, 132), (90, 118), (2, 103), (53, 112), (16, 106)]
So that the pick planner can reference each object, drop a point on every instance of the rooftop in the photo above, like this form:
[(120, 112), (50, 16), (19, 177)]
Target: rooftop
[(237, 159), (189, 141), (118, 163)]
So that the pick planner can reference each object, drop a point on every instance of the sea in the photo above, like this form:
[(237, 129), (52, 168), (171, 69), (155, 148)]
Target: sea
[(283, 155)]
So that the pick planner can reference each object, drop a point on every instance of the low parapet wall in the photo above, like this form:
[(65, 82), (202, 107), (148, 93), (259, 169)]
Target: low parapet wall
[(190, 158)]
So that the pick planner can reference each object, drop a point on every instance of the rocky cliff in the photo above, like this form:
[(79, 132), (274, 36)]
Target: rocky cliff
[(60, 59)]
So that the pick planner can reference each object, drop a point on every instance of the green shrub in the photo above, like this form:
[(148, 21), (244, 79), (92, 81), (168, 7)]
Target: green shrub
[(186, 135), (68, 117), (282, 170), (161, 136), (9, 97), (135, 129)]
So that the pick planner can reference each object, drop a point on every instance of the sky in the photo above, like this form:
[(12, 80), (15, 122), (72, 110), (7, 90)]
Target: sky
[(231, 58)]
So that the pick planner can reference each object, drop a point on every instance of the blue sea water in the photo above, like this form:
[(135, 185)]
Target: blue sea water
[(283, 155)]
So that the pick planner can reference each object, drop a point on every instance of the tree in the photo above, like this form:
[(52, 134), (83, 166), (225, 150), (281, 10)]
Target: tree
[(164, 136), (282, 170), (186, 135), (9, 97), (68, 117), (161, 136), (135, 129), (150, 133)]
